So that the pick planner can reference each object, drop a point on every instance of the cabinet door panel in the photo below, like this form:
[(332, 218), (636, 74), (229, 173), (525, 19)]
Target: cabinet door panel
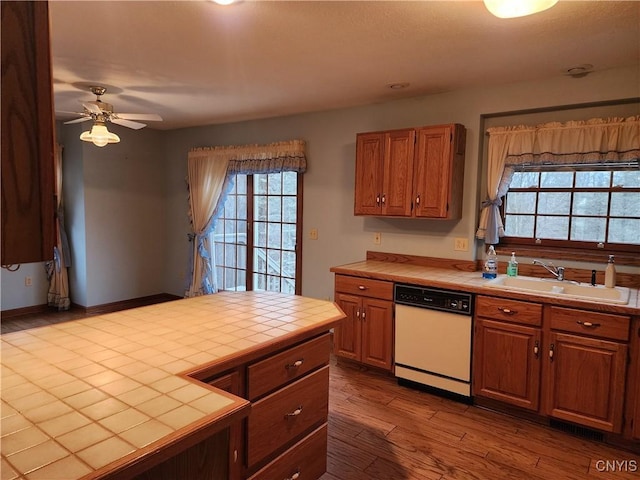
[(434, 171), (507, 363), (347, 334), (369, 172), (586, 383), (398, 173), (377, 331)]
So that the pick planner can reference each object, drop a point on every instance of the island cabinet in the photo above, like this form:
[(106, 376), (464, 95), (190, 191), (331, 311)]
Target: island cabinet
[(366, 334), (28, 141), (415, 172), (633, 404), (285, 435), (587, 359), (507, 347)]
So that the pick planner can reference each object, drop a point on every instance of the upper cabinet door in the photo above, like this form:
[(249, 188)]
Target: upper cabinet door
[(397, 188), (370, 149), (439, 171), (28, 206)]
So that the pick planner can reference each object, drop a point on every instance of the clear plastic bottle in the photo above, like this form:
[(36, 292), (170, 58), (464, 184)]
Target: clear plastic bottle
[(512, 267), (610, 274), (491, 264)]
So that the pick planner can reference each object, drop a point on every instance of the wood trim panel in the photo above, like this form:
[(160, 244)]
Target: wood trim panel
[(126, 304), (461, 265), (364, 287), (511, 311), (602, 325)]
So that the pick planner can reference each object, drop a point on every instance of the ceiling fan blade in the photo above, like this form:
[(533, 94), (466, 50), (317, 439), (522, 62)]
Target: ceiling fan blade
[(127, 123), (151, 117), (78, 120), (92, 107)]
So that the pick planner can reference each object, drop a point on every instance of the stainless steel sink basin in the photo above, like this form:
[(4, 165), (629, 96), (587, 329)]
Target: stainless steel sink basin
[(568, 289)]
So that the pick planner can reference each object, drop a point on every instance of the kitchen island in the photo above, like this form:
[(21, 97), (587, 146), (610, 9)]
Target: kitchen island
[(124, 394)]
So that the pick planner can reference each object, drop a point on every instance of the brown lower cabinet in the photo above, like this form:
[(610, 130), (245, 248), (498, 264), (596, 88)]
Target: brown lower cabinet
[(285, 434), (565, 363), (634, 384), (366, 334)]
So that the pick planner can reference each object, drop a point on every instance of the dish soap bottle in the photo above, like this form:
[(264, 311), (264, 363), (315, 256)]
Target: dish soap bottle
[(491, 264), (610, 274), (512, 267)]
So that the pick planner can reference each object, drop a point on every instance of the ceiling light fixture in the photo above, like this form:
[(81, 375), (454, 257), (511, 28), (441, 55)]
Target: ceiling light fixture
[(517, 8), (224, 2), (99, 135)]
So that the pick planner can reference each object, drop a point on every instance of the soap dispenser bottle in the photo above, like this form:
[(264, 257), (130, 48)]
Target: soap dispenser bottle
[(512, 266), (610, 274)]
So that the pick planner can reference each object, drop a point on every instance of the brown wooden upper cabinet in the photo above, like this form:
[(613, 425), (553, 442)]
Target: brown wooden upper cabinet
[(28, 204), (414, 172)]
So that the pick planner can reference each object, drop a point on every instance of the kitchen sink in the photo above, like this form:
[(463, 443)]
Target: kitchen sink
[(566, 288)]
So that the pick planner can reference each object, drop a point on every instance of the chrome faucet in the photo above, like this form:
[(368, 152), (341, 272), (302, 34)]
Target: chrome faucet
[(557, 272)]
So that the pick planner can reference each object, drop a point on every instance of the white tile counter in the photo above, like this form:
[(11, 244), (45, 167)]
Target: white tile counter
[(85, 397)]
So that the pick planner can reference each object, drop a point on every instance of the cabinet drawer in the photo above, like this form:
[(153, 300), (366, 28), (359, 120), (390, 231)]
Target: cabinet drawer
[(509, 310), (364, 287), (275, 371), (286, 414), (307, 458), (602, 325)]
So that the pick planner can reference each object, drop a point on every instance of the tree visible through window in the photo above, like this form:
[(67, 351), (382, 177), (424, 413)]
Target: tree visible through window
[(258, 232), (587, 207)]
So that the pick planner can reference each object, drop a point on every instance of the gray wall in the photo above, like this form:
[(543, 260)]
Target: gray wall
[(127, 203)]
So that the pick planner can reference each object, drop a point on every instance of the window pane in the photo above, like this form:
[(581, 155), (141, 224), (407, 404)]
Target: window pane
[(624, 230), (273, 262), (552, 227), (242, 257), (275, 209), (260, 236), (593, 179), (230, 255), (259, 281), (588, 229), (288, 286), (242, 206), (274, 235), (275, 184), (289, 209), (556, 179), (273, 283), (260, 207), (521, 202), (625, 204), (557, 203), (289, 264), (241, 184), (259, 260), (260, 184), (288, 236), (524, 180), (626, 179), (289, 183), (590, 203), (519, 226)]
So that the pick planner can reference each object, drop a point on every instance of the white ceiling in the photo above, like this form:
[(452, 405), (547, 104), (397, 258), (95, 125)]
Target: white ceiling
[(199, 63)]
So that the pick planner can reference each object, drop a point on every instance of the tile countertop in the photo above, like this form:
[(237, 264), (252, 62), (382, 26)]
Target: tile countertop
[(83, 398), (470, 282)]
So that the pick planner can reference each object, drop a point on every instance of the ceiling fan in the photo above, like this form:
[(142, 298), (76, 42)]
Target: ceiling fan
[(101, 113)]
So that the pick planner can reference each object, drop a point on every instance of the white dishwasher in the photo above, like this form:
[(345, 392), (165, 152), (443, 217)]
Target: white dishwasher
[(433, 339)]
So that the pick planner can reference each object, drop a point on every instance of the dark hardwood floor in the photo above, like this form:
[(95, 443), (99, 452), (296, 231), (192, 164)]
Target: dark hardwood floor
[(379, 430)]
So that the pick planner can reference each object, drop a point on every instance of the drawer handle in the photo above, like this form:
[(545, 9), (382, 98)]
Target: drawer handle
[(508, 311), (361, 287), (295, 476), (536, 348), (295, 364), (551, 349), (295, 413), (588, 324)]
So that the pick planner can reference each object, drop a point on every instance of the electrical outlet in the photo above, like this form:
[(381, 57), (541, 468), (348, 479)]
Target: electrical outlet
[(313, 234), (28, 282), (377, 238), (461, 244)]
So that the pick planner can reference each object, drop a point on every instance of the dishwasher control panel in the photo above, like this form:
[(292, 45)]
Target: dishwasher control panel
[(436, 299)]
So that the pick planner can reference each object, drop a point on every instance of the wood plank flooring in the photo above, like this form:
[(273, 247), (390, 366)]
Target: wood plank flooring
[(379, 430)]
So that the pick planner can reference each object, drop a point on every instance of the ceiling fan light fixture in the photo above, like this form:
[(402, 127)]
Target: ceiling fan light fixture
[(99, 135), (517, 8)]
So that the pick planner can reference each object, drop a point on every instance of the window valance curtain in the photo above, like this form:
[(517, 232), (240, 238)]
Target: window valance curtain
[(208, 173), (592, 141)]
